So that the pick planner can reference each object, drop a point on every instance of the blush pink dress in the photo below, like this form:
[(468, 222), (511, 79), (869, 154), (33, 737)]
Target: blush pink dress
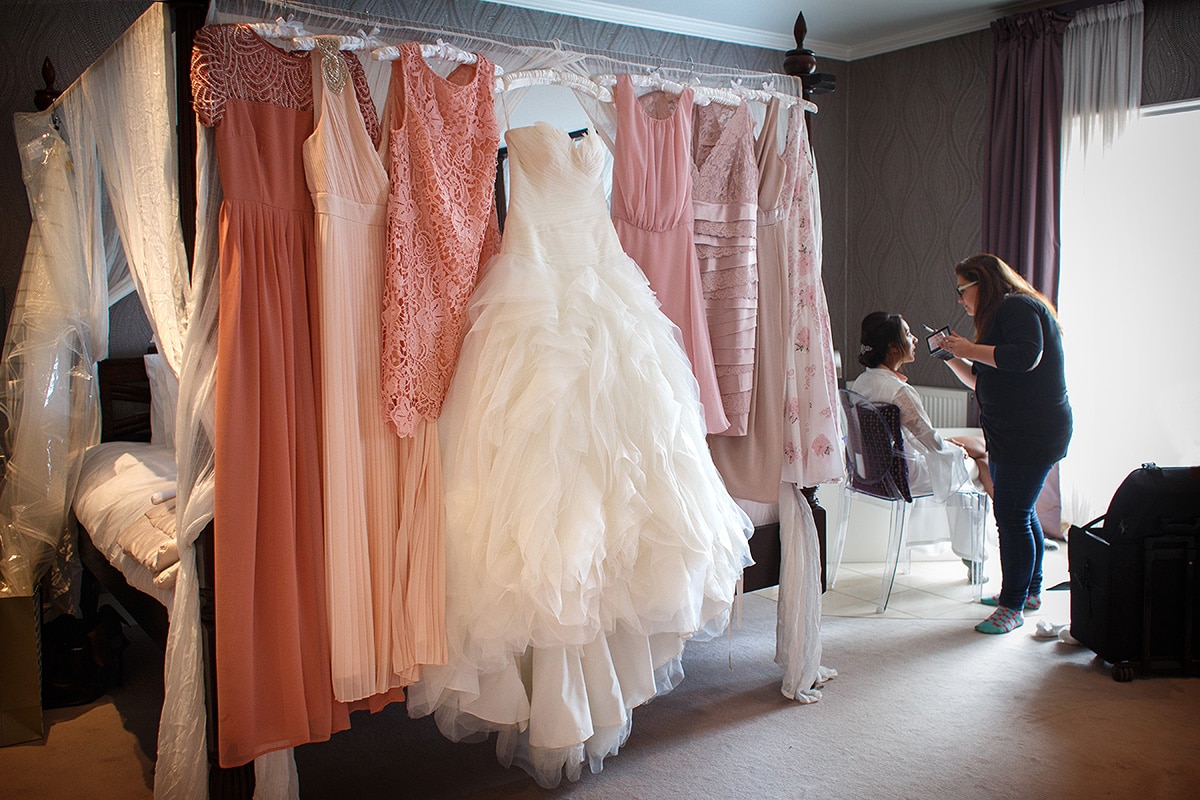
[(652, 212), (724, 197), (272, 654), (349, 187), (440, 152)]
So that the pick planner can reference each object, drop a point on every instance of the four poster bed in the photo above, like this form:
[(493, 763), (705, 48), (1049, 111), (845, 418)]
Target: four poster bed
[(154, 555)]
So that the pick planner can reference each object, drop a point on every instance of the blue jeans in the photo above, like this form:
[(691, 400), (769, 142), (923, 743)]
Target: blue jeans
[(1015, 492)]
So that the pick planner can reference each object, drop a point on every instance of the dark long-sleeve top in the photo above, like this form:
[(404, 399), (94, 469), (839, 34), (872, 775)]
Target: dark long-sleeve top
[(1023, 405)]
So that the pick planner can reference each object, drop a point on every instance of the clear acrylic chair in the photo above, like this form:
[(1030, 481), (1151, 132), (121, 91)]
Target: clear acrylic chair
[(876, 467)]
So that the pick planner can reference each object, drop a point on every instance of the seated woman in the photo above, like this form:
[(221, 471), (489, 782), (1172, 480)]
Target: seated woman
[(937, 466)]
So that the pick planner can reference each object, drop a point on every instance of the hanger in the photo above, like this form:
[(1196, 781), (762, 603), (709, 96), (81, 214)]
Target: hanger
[(547, 77), (361, 41), (443, 50), (656, 82), (279, 29), (768, 93)]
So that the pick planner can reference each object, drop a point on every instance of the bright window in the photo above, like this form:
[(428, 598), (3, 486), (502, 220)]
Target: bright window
[(1129, 303)]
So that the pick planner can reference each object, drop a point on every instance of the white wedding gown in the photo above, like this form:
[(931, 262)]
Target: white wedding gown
[(588, 534)]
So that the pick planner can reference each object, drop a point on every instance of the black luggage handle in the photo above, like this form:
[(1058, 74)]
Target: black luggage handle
[(1181, 527)]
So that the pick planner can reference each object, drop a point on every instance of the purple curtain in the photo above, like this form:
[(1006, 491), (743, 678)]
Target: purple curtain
[(1022, 177)]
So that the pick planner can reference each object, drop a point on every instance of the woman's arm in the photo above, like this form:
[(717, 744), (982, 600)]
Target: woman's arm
[(962, 370), (969, 352)]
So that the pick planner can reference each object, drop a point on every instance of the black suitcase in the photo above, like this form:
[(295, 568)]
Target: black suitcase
[(1135, 587)]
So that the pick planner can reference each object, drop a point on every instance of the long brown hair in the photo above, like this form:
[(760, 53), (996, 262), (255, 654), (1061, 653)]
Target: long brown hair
[(993, 281)]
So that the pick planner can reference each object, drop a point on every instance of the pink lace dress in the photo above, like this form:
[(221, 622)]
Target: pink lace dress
[(272, 656), (440, 152), (652, 212), (724, 197)]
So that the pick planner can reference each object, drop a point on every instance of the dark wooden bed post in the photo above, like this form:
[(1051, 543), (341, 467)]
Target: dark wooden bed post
[(802, 62)]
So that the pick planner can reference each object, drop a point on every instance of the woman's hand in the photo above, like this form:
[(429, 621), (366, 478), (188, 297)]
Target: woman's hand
[(957, 345), (974, 445)]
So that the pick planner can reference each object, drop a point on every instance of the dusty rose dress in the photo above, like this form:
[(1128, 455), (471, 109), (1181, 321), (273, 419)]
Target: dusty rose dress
[(273, 658), (752, 464), (440, 153), (724, 196), (349, 187), (652, 212)]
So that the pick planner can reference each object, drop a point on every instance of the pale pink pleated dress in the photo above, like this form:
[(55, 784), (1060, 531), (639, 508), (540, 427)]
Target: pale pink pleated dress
[(724, 197), (753, 464), (272, 653), (440, 152), (349, 189), (652, 212)]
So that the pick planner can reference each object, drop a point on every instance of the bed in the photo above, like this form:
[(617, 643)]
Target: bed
[(125, 509), (124, 504)]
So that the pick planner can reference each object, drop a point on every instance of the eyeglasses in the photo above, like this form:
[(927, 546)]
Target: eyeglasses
[(962, 287)]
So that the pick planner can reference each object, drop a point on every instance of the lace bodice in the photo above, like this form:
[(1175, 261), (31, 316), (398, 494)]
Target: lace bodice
[(725, 172), (233, 62), (443, 138)]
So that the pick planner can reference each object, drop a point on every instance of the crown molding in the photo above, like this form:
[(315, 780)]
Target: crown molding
[(924, 35)]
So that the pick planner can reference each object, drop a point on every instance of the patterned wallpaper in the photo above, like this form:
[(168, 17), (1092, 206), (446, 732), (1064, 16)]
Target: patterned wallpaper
[(914, 162), (1171, 60)]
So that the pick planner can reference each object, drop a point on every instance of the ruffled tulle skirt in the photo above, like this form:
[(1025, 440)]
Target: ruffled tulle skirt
[(588, 534)]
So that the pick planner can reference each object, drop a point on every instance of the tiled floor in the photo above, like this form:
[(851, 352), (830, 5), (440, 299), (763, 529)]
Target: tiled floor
[(938, 589)]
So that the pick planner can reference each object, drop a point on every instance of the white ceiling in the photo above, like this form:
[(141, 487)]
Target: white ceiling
[(842, 29)]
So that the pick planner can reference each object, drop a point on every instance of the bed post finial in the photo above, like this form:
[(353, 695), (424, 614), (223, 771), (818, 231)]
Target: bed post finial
[(802, 62), (42, 98)]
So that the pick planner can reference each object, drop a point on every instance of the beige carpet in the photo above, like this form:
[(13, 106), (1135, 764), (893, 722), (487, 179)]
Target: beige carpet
[(922, 708)]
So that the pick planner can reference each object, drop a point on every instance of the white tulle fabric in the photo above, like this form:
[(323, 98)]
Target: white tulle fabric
[(588, 533), (87, 179)]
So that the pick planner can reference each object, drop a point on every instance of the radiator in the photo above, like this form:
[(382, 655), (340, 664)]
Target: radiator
[(947, 408)]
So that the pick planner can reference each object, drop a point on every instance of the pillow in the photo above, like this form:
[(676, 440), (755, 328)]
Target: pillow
[(164, 397)]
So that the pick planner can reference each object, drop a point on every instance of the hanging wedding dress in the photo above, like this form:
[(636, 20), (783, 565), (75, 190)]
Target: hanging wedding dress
[(589, 532)]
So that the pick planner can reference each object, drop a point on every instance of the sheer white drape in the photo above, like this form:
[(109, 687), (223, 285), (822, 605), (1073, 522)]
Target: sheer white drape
[(1102, 72), (95, 179)]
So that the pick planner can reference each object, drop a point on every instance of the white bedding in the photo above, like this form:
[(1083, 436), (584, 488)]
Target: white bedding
[(115, 502)]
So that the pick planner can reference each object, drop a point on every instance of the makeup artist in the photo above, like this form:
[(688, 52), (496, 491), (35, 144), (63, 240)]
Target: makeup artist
[(1015, 366)]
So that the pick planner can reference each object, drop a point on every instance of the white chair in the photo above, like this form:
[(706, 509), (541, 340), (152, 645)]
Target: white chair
[(876, 467)]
